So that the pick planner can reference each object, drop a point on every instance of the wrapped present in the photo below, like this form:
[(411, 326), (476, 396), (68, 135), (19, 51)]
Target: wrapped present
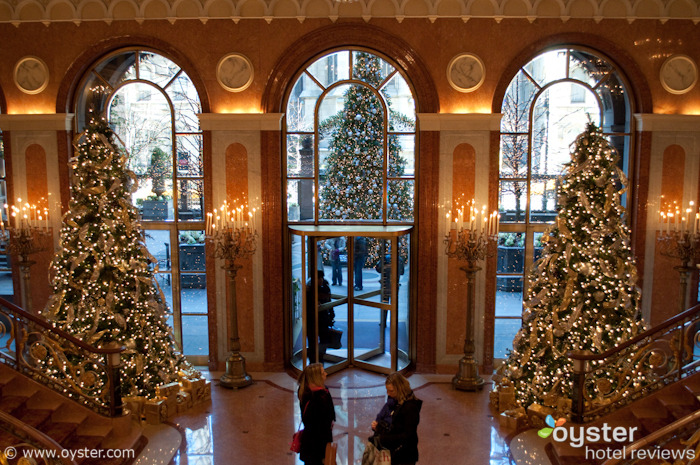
[(171, 406), (167, 390), (184, 401), (563, 407), (135, 404), (155, 411), (551, 400), (187, 383), (205, 391), (537, 414), (514, 419), (506, 397), (493, 399)]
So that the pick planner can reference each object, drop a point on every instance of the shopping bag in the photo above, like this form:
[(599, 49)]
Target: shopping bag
[(369, 454), (383, 458), (331, 450)]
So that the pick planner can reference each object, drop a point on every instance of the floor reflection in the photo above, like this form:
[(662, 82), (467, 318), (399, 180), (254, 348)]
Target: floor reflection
[(254, 425)]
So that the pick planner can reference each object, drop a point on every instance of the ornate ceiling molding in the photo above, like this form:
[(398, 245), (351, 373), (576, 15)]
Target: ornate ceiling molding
[(53, 11)]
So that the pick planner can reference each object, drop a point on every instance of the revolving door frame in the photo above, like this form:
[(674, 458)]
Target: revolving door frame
[(309, 260)]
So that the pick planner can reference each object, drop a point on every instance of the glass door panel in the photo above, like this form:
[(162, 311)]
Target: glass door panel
[(371, 335), (350, 297), (402, 304), (296, 305)]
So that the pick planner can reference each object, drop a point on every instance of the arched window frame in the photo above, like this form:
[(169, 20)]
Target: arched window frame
[(100, 83), (314, 131), (611, 93)]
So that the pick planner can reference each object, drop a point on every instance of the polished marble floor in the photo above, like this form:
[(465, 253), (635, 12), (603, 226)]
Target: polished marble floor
[(253, 425)]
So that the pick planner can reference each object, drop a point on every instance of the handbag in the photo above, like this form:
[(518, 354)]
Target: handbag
[(331, 338), (295, 445)]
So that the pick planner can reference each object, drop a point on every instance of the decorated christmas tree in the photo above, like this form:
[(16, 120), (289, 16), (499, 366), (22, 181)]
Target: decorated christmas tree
[(582, 293), (353, 185), (103, 279)]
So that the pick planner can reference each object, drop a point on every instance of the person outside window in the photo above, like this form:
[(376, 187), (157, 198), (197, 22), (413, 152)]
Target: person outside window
[(336, 246), (359, 256)]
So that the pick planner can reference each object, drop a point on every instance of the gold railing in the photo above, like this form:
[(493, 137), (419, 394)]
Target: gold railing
[(50, 356), (44, 450), (651, 360)]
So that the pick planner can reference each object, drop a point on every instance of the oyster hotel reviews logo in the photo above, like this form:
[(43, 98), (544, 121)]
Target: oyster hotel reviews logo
[(595, 438)]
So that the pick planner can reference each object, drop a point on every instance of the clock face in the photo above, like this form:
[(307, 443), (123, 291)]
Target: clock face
[(678, 74), (31, 75), (465, 72), (234, 72)]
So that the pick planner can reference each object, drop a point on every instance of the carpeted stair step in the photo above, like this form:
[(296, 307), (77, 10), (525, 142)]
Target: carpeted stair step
[(6, 376), (568, 455), (32, 417), (58, 431), (8, 439), (12, 403), (82, 443), (678, 401), (692, 384)]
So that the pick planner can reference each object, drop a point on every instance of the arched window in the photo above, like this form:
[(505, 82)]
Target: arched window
[(350, 142), (350, 182), (6, 285), (546, 105), (152, 105)]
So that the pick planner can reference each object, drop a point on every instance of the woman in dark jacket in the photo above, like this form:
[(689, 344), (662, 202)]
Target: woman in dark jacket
[(318, 414), (402, 437)]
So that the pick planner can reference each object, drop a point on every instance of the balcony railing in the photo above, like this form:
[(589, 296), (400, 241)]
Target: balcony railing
[(651, 360), (52, 357)]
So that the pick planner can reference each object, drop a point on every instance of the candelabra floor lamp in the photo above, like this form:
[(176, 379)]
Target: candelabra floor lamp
[(683, 245), (22, 242), (233, 241), (470, 245)]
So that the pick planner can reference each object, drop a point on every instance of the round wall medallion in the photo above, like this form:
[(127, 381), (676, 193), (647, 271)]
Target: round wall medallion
[(679, 74), (466, 72), (31, 75), (234, 72)]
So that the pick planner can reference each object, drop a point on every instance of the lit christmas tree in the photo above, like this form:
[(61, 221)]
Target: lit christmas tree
[(582, 292), (103, 284), (353, 184)]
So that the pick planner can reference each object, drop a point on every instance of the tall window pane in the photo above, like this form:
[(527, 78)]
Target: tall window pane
[(6, 285), (546, 105), (152, 106)]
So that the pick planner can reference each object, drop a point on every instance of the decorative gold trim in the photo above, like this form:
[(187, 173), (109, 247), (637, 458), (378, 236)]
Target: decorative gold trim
[(234, 72)]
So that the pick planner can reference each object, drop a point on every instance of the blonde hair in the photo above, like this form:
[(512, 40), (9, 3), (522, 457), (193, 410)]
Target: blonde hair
[(312, 374), (401, 385)]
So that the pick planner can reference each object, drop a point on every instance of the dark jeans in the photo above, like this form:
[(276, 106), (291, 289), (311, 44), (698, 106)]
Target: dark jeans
[(358, 266), (325, 320), (337, 272)]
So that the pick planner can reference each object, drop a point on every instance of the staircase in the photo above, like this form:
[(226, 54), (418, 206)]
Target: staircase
[(76, 413), (657, 418), (649, 388), (55, 419)]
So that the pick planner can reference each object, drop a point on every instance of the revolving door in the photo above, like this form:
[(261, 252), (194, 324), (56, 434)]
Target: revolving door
[(350, 297)]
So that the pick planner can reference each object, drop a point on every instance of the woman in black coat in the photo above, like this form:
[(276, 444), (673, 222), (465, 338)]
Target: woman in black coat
[(402, 437), (318, 414)]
